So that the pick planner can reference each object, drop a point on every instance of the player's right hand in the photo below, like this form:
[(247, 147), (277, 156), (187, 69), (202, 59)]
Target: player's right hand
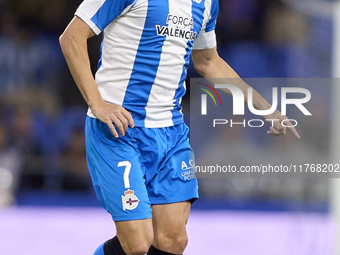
[(113, 114), (277, 128)]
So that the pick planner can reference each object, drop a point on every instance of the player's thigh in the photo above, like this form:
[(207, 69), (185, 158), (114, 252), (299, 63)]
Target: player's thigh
[(175, 180), (135, 236), (116, 172), (169, 224)]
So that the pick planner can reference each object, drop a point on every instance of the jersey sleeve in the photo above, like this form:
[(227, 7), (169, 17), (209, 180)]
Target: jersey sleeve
[(98, 14), (206, 38), (211, 24)]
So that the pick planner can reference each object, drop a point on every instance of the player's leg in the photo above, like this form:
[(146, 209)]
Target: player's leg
[(169, 223), (170, 189), (135, 236), (118, 179)]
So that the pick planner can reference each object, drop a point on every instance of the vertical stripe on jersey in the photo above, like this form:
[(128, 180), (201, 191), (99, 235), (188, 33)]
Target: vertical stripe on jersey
[(207, 13), (213, 13), (118, 56), (146, 62), (169, 72), (197, 11), (100, 54)]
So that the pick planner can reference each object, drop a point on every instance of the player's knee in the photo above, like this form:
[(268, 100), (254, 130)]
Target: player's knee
[(181, 242), (175, 242), (140, 246), (139, 249)]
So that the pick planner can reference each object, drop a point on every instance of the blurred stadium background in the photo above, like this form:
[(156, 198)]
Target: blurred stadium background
[(47, 203)]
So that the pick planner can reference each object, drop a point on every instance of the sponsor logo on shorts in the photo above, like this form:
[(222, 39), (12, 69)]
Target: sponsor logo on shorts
[(130, 200), (188, 170)]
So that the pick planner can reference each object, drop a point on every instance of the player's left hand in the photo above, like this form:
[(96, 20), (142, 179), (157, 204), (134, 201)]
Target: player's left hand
[(276, 127)]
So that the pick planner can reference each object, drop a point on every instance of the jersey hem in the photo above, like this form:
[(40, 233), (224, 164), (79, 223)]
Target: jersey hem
[(158, 124), (150, 124)]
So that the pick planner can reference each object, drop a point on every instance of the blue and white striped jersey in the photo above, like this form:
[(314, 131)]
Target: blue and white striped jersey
[(146, 50)]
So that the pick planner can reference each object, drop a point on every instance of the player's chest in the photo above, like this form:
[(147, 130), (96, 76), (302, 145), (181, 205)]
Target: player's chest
[(174, 18)]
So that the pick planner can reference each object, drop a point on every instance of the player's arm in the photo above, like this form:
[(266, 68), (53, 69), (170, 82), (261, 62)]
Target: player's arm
[(73, 43), (210, 65)]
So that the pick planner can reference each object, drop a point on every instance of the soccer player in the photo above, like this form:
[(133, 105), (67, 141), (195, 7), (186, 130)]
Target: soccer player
[(136, 141)]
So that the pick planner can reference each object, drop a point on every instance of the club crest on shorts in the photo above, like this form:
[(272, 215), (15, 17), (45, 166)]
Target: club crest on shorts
[(130, 200)]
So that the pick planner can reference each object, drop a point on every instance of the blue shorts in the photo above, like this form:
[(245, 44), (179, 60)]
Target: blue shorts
[(146, 166)]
